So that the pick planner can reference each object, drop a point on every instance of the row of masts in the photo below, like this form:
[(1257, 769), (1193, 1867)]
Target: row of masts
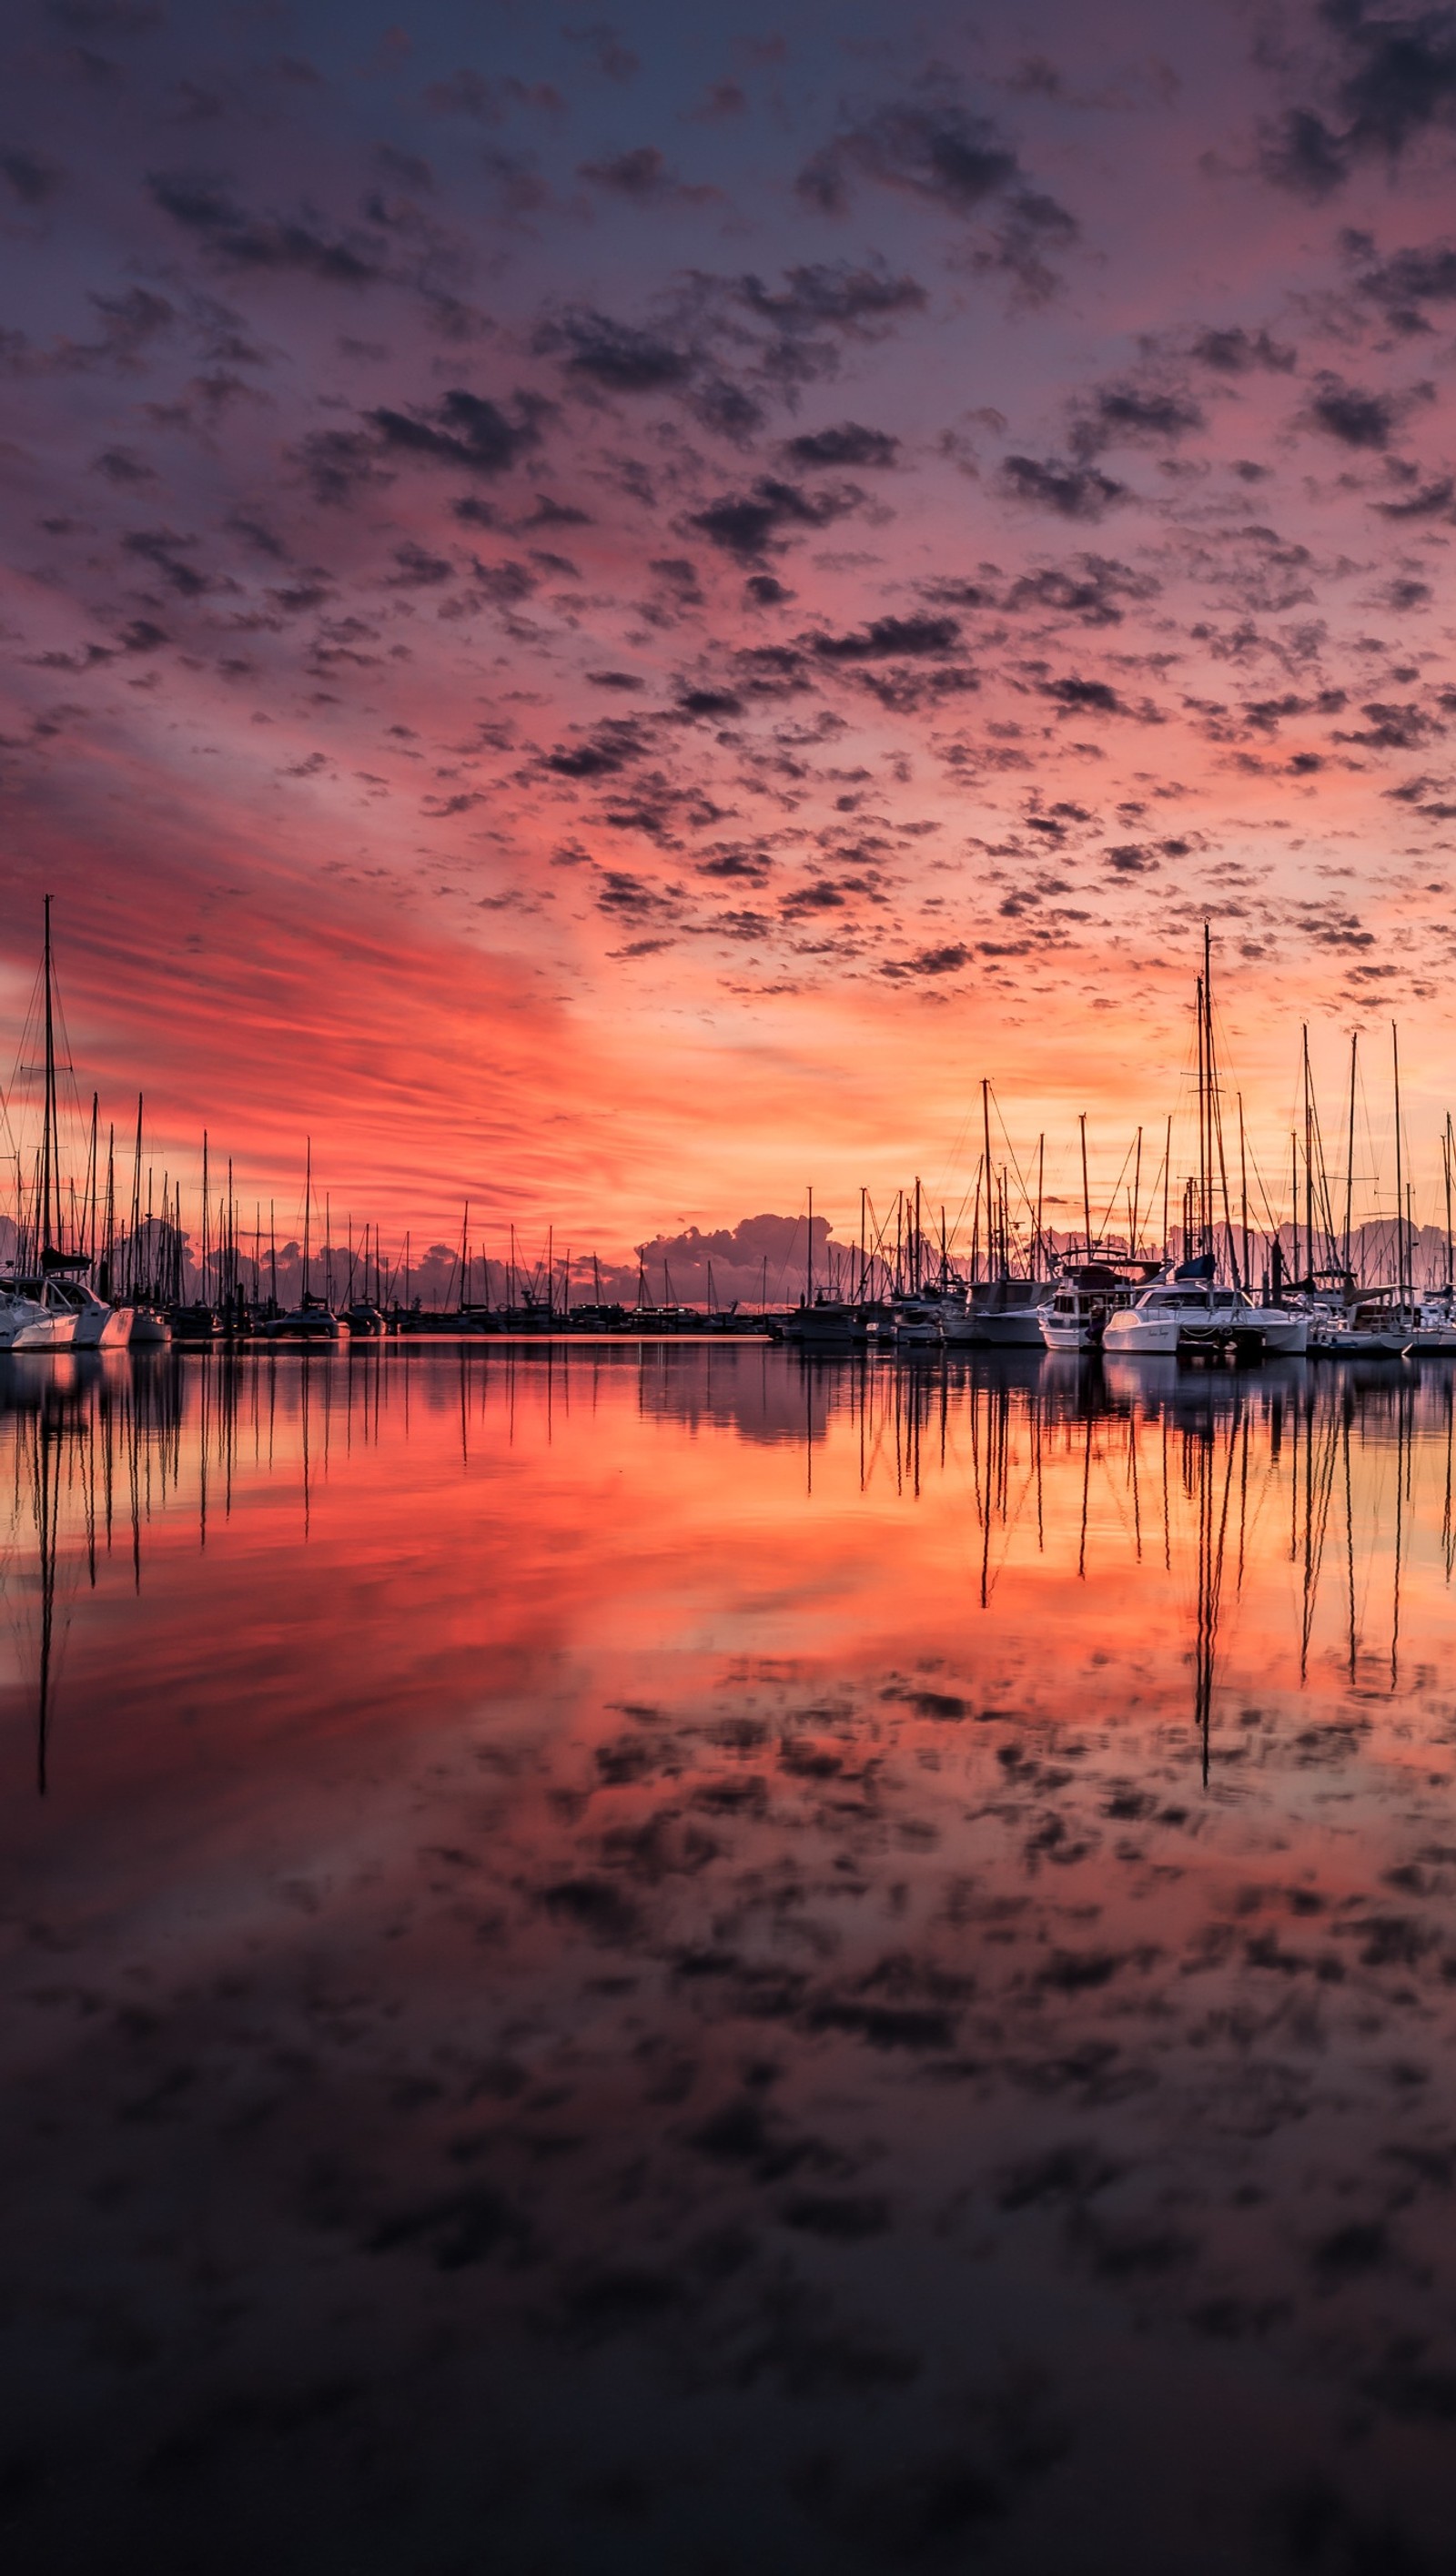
[(1000, 1231)]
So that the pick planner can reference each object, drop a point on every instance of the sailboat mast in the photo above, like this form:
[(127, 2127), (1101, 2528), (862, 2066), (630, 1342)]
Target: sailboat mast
[(1086, 1191), (1447, 1157), (50, 1177), (1400, 1265), (809, 1254), (91, 1179), (1308, 1153), (986, 1131), (1350, 1148), (1040, 1166), (307, 1203)]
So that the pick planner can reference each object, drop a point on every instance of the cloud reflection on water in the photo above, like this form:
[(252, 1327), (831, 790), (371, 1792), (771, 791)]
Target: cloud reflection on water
[(648, 1958)]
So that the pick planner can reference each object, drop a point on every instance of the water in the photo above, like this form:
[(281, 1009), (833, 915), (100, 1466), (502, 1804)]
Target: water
[(686, 1959)]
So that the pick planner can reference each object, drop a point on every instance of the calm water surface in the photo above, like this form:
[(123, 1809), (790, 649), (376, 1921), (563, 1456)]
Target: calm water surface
[(679, 1959)]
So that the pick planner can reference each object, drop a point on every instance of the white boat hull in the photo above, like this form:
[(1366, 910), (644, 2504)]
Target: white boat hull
[(103, 1328), (26, 1326)]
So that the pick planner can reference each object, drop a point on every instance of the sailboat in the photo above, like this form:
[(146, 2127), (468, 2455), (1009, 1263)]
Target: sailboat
[(1192, 1314), (312, 1320), (43, 1301)]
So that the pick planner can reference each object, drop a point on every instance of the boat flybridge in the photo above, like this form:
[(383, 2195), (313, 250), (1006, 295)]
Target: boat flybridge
[(1085, 1302)]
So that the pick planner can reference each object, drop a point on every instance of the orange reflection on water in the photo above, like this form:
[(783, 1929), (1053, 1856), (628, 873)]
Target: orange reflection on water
[(918, 1892)]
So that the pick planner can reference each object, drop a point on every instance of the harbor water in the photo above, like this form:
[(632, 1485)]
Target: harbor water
[(683, 1957)]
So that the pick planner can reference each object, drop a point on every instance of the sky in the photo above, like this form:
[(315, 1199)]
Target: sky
[(608, 613)]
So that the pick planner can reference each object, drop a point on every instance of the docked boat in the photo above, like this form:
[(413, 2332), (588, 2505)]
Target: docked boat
[(1005, 1314), (1076, 1315), (828, 1324), (35, 1316), (1192, 1317), (100, 1326), (311, 1321), (149, 1330)]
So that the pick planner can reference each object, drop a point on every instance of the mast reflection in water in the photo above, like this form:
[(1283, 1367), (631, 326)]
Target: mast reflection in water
[(689, 1958)]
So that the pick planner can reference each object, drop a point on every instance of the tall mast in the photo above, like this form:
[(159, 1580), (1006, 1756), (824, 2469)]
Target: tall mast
[(1447, 1157), (1207, 1129), (1243, 1190), (50, 1177), (1400, 1265), (1040, 1163), (809, 1254), (307, 1203), (132, 1275), (1308, 1154), (1350, 1148), (91, 1179), (1086, 1192), (1446, 1143), (986, 1129)]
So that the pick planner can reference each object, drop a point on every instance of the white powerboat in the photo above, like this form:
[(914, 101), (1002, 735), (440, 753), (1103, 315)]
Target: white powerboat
[(1005, 1314), (1188, 1315), (1076, 1316), (99, 1326), (149, 1330), (35, 1316)]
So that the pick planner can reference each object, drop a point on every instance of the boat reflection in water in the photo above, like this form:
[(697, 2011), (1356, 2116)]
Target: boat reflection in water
[(706, 1956)]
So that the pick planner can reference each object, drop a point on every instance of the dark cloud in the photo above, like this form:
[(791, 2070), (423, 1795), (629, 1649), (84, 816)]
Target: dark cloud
[(1085, 697), (1048, 483), (1427, 501), (1132, 415), (338, 463), (488, 101), (615, 355), (465, 429), (833, 294), (1234, 351), (1390, 79), (953, 159), (710, 702), (1393, 727), (239, 240), (608, 750), (1094, 591), (943, 154), (747, 524), (122, 466), (1350, 414), (605, 48), (167, 554), (931, 961), (849, 444), (724, 99), (33, 180), (1408, 280), (644, 177), (889, 639)]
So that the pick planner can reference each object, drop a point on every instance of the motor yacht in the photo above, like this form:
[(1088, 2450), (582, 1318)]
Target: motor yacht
[(1188, 1315), (1005, 1314), (1076, 1315), (35, 1315), (100, 1326)]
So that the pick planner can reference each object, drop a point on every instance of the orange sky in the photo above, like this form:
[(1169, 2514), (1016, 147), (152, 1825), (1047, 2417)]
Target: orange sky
[(608, 632)]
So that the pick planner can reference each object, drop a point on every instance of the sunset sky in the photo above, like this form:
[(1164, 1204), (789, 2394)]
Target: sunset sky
[(608, 613)]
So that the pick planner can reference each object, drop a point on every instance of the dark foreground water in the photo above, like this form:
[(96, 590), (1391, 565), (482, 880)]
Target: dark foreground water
[(685, 1960)]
